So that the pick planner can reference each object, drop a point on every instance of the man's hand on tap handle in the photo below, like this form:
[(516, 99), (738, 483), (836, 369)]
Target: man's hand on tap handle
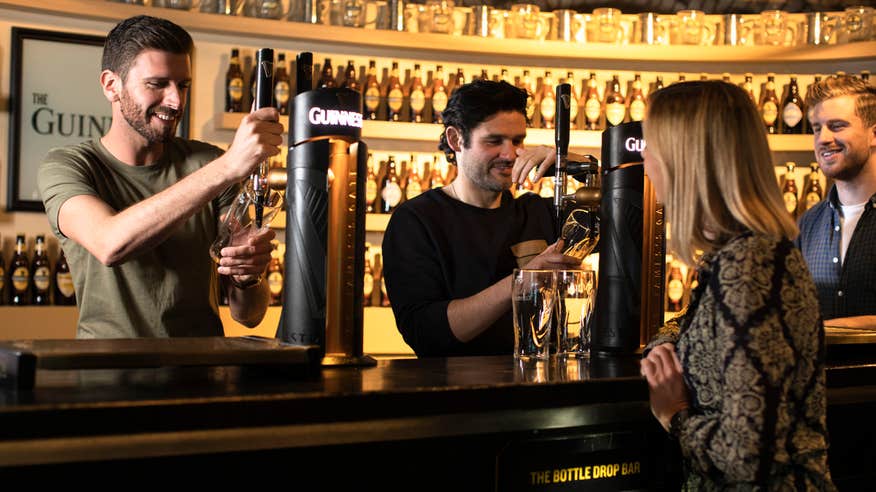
[(258, 138), (540, 158)]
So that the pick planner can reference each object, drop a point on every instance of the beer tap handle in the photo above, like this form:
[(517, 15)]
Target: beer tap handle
[(264, 97), (303, 72), (561, 137)]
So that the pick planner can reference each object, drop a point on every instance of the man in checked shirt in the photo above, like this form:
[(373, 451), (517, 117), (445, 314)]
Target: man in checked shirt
[(838, 235)]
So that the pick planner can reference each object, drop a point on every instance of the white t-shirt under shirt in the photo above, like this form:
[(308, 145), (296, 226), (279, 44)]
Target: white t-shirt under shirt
[(851, 215)]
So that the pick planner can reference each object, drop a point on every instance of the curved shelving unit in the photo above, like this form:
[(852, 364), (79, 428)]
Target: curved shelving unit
[(428, 133), (473, 49)]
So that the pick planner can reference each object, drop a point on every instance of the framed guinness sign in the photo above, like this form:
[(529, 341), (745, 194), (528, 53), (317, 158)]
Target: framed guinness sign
[(55, 100)]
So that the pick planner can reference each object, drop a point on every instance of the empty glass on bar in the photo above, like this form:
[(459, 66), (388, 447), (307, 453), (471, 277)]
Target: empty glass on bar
[(573, 311)]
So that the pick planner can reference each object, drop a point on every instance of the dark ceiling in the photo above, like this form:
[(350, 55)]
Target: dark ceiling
[(672, 6)]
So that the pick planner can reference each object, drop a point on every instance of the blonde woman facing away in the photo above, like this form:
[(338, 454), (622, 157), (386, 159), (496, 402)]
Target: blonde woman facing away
[(739, 378)]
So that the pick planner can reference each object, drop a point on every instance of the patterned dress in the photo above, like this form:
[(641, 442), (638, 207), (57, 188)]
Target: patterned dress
[(751, 345)]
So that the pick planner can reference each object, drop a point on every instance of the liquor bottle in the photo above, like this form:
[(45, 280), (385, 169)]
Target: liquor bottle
[(526, 84), (327, 75), (282, 89), (394, 95), (484, 74), (592, 104), (748, 86), (64, 293), (865, 76), (436, 180), (504, 77), (674, 287), (371, 187), (792, 109), (234, 84), (547, 104), (704, 76), (390, 188), (2, 275), (41, 273), (789, 190), (438, 95), (368, 280), (725, 77), (658, 83), (372, 92), (275, 275), (615, 110), (458, 80), (637, 99), (806, 127), (573, 103), (769, 105), (414, 184), (418, 95), (351, 81), (813, 193), (19, 274), (681, 78)]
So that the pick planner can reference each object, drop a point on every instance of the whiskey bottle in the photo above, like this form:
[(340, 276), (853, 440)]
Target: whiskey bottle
[(414, 185), (458, 81), (526, 84), (368, 280), (789, 190), (813, 193), (792, 109), (436, 180), (658, 83), (592, 104), (275, 275), (573, 103), (547, 105), (41, 273), (2, 275), (394, 95), (234, 84), (615, 110), (327, 75), (64, 293), (372, 92), (417, 95), (674, 287), (769, 105), (19, 274), (282, 89), (390, 188), (438, 95), (351, 80), (637, 99), (806, 127), (371, 187), (748, 86)]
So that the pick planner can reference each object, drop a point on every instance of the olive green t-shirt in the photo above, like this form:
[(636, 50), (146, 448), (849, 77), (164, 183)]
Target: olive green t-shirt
[(169, 290)]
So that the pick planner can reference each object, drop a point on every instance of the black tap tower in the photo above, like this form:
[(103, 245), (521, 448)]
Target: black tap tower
[(631, 244), (264, 98), (325, 225)]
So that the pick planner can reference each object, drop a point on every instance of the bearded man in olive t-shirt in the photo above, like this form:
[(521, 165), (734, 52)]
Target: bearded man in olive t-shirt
[(136, 211)]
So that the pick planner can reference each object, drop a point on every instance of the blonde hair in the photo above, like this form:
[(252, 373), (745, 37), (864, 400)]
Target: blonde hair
[(710, 145), (845, 85)]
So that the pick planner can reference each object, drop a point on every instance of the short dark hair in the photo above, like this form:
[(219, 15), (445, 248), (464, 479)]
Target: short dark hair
[(134, 35), (473, 103)]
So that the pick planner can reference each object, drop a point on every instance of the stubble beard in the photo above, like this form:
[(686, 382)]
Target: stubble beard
[(138, 118)]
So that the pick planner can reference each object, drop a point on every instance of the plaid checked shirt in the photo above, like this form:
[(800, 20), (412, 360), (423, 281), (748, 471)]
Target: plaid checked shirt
[(845, 288)]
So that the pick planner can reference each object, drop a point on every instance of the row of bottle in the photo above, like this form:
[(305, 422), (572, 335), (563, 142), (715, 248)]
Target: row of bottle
[(32, 280), (598, 104), (399, 178)]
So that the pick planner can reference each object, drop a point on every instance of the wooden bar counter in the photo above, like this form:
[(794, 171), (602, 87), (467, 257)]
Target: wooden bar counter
[(472, 423)]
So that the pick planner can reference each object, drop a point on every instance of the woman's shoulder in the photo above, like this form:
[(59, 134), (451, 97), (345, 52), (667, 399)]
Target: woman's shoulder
[(754, 248)]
